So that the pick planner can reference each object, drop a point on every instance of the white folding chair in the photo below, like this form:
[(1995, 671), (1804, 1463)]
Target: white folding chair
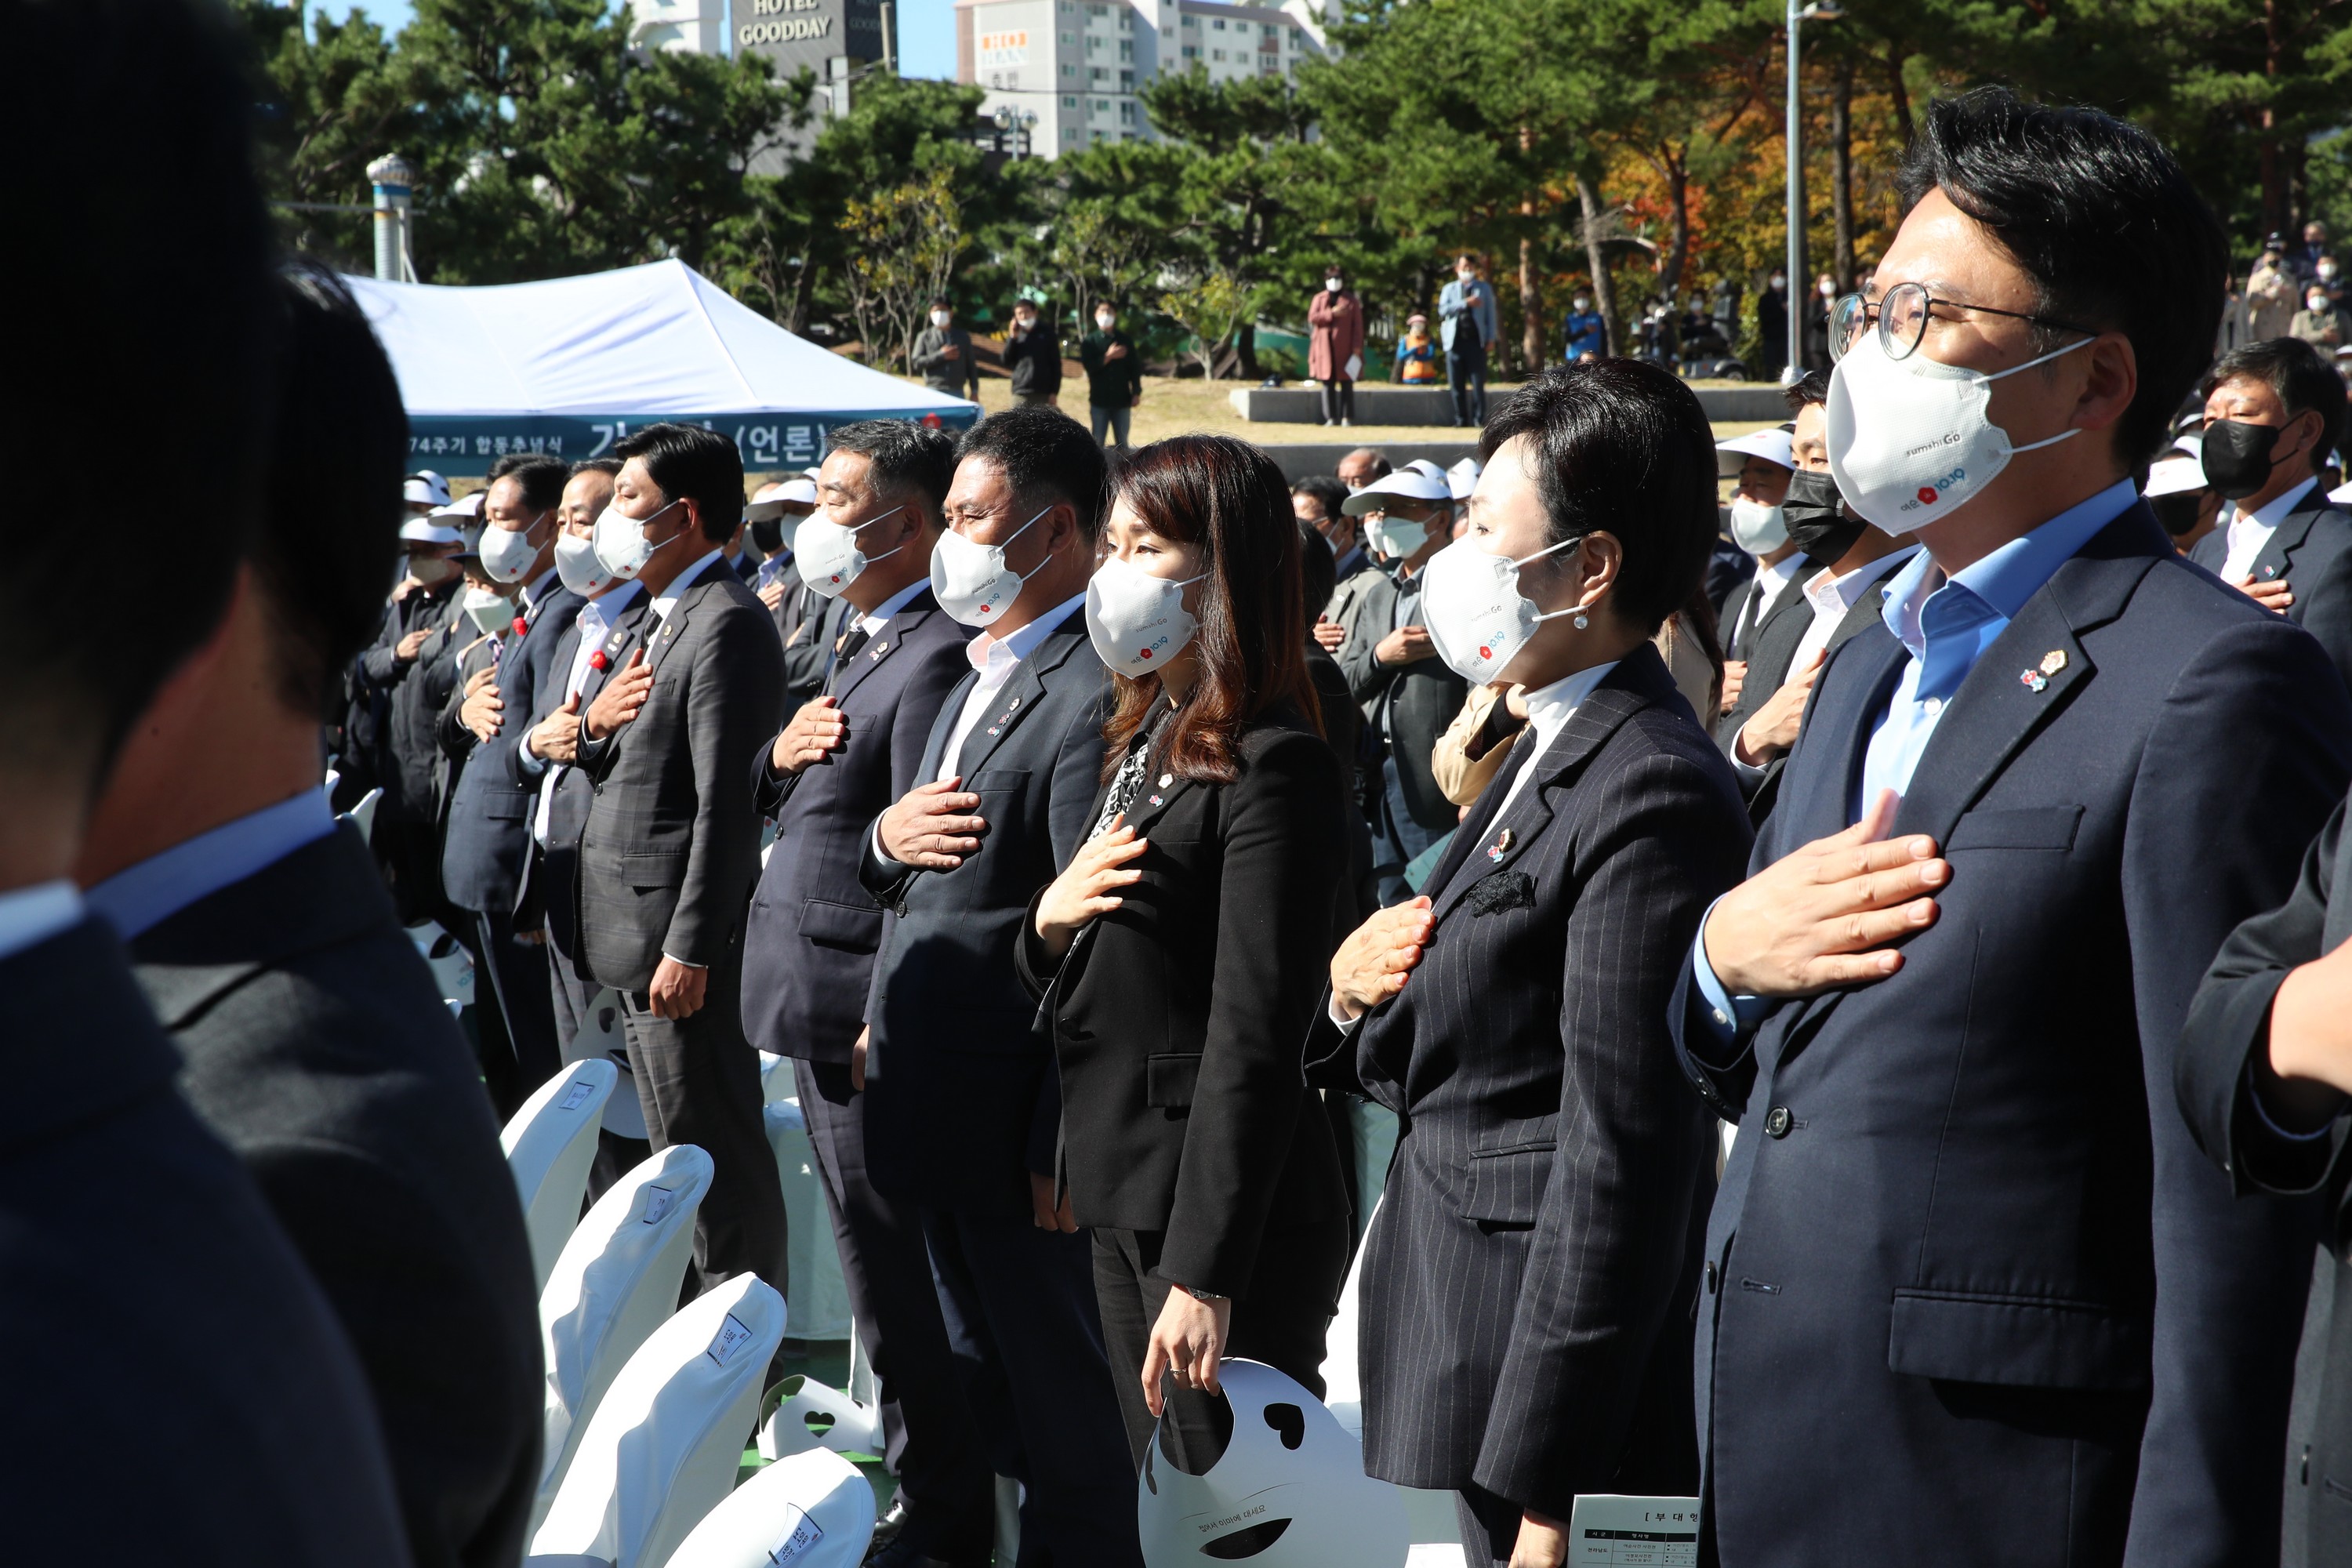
[(1429, 1520), (617, 1282), (820, 1296), (601, 1038), (812, 1510), (452, 965), (802, 1413), (663, 1447), (550, 1145), (362, 815)]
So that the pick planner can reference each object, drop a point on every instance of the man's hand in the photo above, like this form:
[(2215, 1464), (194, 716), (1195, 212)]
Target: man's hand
[(1542, 1543), (622, 697), (677, 990), (481, 710), (2311, 1043), (407, 648), (857, 1060), (1822, 917), (1187, 1344), (1406, 645), (931, 827), (1116, 350), (1044, 1212), (818, 729), (557, 738), (1329, 634), (1735, 676), (1772, 728), (773, 596), (1089, 885), (2271, 595), (1372, 964)]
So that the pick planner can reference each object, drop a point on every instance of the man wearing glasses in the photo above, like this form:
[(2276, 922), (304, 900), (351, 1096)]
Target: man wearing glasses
[(1969, 1295)]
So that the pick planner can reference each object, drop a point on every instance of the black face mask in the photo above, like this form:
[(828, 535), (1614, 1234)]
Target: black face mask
[(769, 535), (1816, 521), (2238, 456)]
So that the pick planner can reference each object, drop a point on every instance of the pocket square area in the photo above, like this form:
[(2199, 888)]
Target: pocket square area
[(1501, 890)]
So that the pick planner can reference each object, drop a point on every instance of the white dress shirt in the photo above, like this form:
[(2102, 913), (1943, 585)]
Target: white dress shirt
[(2248, 531), (596, 623), (872, 623), (1832, 597), (666, 600)]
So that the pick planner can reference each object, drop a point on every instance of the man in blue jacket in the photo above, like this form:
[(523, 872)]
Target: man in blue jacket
[(1467, 305)]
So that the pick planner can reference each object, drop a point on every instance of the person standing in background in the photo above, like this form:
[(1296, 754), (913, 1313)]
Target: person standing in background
[(1114, 376), (1467, 305), (1759, 527), (398, 687), (1335, 347), (1033, 357), (1587, 331), (1773, 325), (943, 356)]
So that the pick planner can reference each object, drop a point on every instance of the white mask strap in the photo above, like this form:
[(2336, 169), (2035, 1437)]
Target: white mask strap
[(1546, 550), (2028, 364)]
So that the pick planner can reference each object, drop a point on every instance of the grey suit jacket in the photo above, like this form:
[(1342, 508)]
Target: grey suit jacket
[(318, 1048), (1420, 700), (671, 845), (2312, 551)]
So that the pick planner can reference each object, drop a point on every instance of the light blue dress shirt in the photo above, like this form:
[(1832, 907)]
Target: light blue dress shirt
[(1945, 624), (32, 915), (140, 897)]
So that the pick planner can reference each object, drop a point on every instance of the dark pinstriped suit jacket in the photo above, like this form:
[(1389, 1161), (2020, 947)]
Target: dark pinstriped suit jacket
[(1527, 1295)]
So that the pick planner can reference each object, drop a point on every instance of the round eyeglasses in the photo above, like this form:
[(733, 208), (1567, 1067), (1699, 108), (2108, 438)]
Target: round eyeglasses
[(1902, 314)]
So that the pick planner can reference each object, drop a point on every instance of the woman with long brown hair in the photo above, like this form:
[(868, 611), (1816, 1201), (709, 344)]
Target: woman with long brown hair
[(1182, 954)]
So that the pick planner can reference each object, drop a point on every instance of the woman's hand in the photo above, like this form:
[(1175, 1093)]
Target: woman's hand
[(1187, 1344), (1371, 964), (1085, 889), (1542, 1543)]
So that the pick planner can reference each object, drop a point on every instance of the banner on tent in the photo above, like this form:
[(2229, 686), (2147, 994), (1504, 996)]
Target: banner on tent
[(462, 447)]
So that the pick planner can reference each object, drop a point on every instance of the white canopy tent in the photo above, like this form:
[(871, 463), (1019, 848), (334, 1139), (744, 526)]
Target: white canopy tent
[(570, 366)]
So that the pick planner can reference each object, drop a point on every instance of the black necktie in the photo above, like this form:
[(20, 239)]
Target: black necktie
[(848, 648)]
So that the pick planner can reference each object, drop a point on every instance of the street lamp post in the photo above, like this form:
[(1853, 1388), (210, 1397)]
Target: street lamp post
[(1820, 11), (1014, 126), (393, 179)]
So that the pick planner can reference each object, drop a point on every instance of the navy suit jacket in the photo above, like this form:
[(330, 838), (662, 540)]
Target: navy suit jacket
[(962, 1102), (808, 950), (487, 837), (1973, 1295), (2311, 550), (144, 1280)]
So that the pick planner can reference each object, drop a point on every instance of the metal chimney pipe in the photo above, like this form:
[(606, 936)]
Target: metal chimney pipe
[(392, 178)]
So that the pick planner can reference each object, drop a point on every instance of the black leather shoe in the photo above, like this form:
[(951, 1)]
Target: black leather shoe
[(888, 1528)]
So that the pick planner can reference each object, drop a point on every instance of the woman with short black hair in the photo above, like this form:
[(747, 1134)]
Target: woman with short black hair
[(1528, 1284), (1181, 953)]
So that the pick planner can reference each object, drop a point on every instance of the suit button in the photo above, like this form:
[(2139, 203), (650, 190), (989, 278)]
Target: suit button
[(1776, 1122), (1710, 1277)]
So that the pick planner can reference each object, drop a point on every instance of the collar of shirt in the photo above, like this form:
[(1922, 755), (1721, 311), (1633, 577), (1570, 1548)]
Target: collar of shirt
[(1549, 708), (1771, 580), (881, 614), (670, 595), (2248, 531), (30, 916), (596, 618), (139, 897), (774, 567), (1831, 594), (537, 590), (994, 654)]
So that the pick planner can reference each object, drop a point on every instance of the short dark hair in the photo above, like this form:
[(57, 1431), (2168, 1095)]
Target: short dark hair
[(2301, 376), (1811, 388), (690, 463), (332, 533), (594, 465), (1622, 446), (1318, 571), (541, 478), (2100, 216), (1330, 491), (159, 143), (901, 456), (1045, 455)]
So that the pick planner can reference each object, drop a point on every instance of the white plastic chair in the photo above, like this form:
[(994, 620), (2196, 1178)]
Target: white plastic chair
[(617, 1282), (601, 1038), (452, 965), (663, 1447), (550, 1145), (363, 814), (820, 1296), (812, 1510), (1433, 1526), (804, 1414)]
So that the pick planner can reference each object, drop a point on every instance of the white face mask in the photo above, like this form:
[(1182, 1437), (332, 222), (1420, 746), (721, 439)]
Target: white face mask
[(431, 570), (1331, 285), (507, 554), (1395, 537), (1106, 323), (1136, 621), (828, 555), (1910, 439), (577, 568), (1760, 529), (2316, 303), (1582, 306), (622, 547), (1478, 618), (970, 580), (490, 613), (1829, 289), (1778, 282), (942, 318)]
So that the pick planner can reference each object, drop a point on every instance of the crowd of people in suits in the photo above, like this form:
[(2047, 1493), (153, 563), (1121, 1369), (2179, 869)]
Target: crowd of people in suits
[(1863, 1013)]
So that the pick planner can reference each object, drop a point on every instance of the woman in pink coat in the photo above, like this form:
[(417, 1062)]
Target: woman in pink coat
[(1335, 350)]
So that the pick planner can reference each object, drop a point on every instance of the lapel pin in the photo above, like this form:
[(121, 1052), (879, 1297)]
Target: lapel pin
[(2270, 572), (880, 648), (2033, 680), (1155, 800), (2038, 681), (1014, 703), (1166, 779), (598, 661), (1501, 846), (2053, 662), (991, 729)]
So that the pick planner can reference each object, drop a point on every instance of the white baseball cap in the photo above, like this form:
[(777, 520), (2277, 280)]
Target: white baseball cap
[(425, 487), (1463, 476), (771, 502), (1772, 444), (430, 530), (1410, 481), (2175, 476)]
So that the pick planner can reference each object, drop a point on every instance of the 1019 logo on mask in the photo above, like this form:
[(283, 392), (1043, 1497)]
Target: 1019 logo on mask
[(1931, 493)]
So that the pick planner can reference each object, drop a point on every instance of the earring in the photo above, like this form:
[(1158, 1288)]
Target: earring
[(1583, 621)]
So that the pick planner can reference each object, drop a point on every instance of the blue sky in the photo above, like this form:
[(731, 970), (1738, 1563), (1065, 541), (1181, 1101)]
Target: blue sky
[(926, 30)]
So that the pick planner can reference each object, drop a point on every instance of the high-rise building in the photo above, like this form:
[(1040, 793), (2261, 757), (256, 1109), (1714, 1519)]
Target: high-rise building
[(1079, 66), (679, 27)]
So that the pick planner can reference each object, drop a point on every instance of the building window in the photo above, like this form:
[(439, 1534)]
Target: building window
[(1097, 11), (1127, 81), (1216, 54), (1103, 105), (1096, 73), (1194, 23), (1126, 20), (1219, 25), (1127, 112), (1069, 37), (1070, 134), (1070, 70), (1069, 102), (1192, 51), (1125, 48)]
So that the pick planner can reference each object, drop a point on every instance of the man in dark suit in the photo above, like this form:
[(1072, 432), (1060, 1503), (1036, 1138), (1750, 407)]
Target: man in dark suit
[(488, 829), (1407, 695), (962, 1106), (2274, 412), (317, 1043), (671, 846), (1759, 464), (1970, 1295), (807, 621), (808, 953), (140, 1270), (399, 685)]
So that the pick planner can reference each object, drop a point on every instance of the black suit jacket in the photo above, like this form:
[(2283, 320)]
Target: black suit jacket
[(2311, 550), (487, 839), (808, 950), (1526, 1295), (1770, 648), (671, 846), (1178, 1017), (318, 1048), (1868, 610), (1977, 1296), (962, 1099), (143, 1281), (408, 698)]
